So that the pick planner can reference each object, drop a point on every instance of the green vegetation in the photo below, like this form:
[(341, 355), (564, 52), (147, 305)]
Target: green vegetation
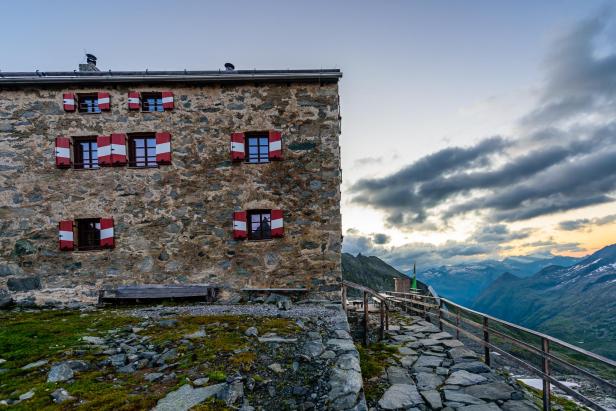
[(563, 403), (55, 336), (373, 359)]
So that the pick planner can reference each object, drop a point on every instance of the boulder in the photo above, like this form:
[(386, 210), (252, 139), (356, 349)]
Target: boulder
[(186, 397), (428, 381), (433, 399), (493, 391), (23, 283), (61, 395), (400, 396), (398, 375), (465, 378), (476, 367), (60, 372)]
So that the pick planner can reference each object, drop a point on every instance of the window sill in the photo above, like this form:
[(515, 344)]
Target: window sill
[(143, 168), (92, 250)]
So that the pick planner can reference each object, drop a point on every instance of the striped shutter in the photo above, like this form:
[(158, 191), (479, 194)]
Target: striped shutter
[(118, 149), (107, 237), (104, 150), (237, 147), (66, 235), (275, 145), (69, 101), (239, 225), (167, 100), (104, 101), (163, 148), (277, 224), (63, 152), (134, 100)]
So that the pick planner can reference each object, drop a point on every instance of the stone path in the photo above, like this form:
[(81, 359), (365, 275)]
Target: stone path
[(434, 371)]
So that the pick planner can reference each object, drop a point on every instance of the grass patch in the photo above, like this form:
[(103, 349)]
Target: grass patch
[(55, 336), (563, 403), (373, 359)]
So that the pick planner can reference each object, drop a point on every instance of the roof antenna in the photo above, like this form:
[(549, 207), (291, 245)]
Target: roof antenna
[(229, 67)]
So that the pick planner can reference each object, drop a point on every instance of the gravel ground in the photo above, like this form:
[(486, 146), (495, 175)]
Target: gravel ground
[(329, 313)]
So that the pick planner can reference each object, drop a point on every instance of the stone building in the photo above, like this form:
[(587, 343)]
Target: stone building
[(230, 178)]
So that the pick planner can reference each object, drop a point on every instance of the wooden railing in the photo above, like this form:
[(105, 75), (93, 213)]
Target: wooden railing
[(550, 350), (383, 307)]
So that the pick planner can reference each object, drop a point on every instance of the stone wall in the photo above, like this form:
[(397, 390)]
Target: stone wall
[(173, 224)]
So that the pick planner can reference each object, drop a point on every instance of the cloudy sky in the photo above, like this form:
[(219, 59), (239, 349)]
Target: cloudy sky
[(471, 129)]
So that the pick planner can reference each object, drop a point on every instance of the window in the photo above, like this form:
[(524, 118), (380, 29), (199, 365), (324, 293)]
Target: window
[(88, 233), (257, 148), (152, 102), (88, 103), (142, 151), (85, 152), (260, 227)]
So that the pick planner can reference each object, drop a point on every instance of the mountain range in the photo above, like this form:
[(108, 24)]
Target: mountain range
[(575, 303), (463, 283)]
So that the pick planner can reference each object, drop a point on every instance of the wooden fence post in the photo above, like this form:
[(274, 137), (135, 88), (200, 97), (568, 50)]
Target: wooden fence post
[(545, 348), (386, 317), (486, 339), (382, 329), (366, 318), (457, 323), (344, 298), (440, 314)]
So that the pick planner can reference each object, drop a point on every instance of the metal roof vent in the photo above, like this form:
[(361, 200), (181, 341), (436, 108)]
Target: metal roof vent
[(229, 67)]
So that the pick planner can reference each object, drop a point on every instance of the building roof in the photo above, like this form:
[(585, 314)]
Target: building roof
[(119, 77)]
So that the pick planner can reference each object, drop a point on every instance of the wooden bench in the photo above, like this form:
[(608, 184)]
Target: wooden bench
[(157, 292)]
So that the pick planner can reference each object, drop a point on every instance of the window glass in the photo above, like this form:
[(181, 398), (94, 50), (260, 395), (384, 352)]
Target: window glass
[(152, 102), (257, 149), (142, 151), (260, 227), (85, 153), (88, 233), (88, 104)]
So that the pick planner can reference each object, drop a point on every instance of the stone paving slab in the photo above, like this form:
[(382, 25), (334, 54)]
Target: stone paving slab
[(434, 371)]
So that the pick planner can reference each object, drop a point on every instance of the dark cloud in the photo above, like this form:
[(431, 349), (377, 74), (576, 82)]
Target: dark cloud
[(551, 167), (586, 223), (578, 82), (486, 241), (380, 239)]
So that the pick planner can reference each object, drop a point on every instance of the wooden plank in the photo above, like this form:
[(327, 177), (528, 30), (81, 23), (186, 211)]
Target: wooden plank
[(276, 290)]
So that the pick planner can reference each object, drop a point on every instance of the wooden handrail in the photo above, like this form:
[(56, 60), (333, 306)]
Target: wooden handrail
[(485, 327)]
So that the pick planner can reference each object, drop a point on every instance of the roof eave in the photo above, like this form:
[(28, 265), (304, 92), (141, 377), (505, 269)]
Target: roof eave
[(330, 76)]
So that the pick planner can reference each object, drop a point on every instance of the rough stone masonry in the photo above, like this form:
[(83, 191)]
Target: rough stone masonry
[(173, 223)]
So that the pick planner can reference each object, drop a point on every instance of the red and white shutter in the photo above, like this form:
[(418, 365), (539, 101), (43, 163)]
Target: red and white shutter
[(66, 235), (106, 230), (104, 150), (167, 100), (275, 145), (277, 224), (118, 149), (163, 148), (237, 147), (70, 101), (239, 225), (134, 100), (104, 101), (63, 152)]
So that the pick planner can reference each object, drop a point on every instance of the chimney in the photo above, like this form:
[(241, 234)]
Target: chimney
[(90, 63)]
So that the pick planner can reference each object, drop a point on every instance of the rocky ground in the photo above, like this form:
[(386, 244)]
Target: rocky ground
[(424, 368), (250, 357)]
